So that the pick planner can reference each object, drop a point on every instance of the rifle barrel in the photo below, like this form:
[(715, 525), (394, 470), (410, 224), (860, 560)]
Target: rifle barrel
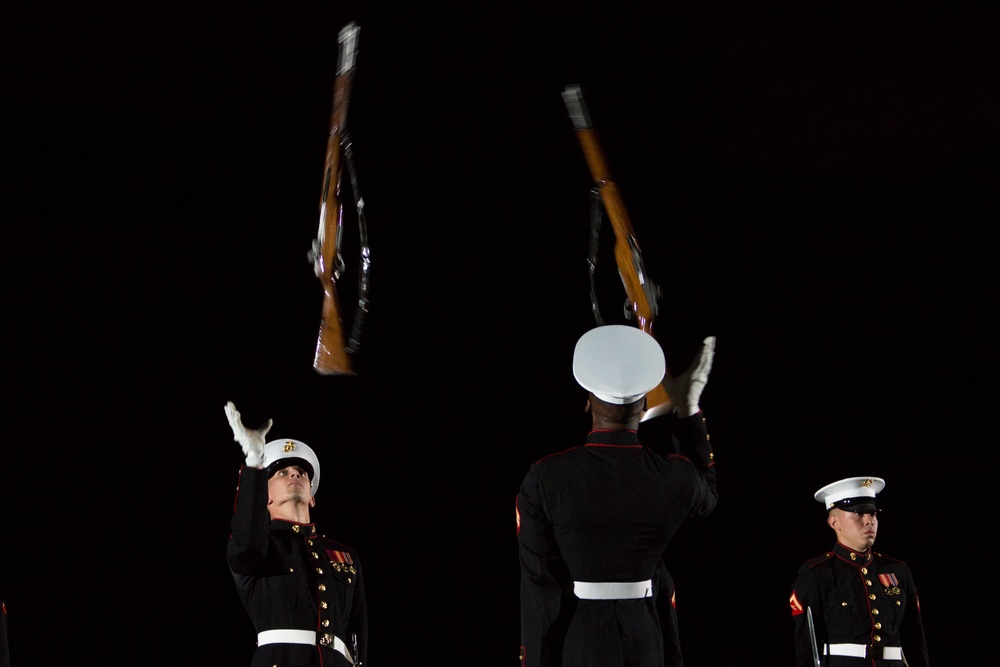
[(573, 97)]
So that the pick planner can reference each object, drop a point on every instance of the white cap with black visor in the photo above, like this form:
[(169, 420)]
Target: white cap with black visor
[(852, 494)]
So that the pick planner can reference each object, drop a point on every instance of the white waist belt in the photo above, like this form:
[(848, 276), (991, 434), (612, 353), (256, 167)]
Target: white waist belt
[(301, 637), (613, 590), (859, 651)]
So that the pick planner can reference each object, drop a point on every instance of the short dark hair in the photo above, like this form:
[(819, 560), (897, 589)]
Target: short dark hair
[(620, 412)]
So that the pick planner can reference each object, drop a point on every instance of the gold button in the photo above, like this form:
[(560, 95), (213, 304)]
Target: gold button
[(853, 557), (323, 604), (898, 603), (843, 604), (319, 571), (309, 542), (350, 581), (326, 623), (864, 570), (871, 597), (291, 569), (868, 582), (877, 638), (878, 626), (322, 587), (875, 612), (316, 555), (295, 529)]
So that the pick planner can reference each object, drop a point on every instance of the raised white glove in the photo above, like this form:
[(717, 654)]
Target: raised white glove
[(251, 440), (685, 389)]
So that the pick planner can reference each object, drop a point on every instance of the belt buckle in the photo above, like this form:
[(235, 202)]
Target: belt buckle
[(325, 640)]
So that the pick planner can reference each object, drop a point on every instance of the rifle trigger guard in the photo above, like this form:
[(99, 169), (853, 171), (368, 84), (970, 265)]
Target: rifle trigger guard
[(315, 257), (338, 266)]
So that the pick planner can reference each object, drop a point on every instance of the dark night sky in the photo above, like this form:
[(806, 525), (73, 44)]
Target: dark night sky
[(814, 183)]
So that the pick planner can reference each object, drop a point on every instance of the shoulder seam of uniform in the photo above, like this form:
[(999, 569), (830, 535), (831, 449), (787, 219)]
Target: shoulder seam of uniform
[(888, 558), (548, 456), (819, 560)]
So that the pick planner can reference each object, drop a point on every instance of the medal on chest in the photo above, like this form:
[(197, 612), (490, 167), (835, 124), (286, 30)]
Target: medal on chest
[(889, 583)]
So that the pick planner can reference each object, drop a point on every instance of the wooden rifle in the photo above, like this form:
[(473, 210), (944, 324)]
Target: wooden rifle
[(642, 293), (333, 354)]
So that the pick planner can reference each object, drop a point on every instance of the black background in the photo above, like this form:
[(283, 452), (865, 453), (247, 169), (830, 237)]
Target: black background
[(814, 183)]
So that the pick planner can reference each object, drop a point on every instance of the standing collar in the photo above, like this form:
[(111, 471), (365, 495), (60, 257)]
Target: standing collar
[(608, 437), (852, 556), (294, 527)]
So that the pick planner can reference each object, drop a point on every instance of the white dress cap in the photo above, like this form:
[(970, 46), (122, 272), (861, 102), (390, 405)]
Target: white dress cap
[(299, 452), (617, 363), (851, 487)]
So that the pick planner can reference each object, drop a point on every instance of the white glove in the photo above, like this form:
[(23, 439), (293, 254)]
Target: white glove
[(251, 440), (685, 389)]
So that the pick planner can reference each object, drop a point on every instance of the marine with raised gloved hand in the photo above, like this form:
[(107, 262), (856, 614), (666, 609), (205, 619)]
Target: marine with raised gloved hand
[(304, 592), (594, 520)]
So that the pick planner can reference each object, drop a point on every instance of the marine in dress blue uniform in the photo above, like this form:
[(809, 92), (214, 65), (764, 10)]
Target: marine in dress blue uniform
[(4, 647), (666, 606), (593, 520), (862, 605), (304, 592)]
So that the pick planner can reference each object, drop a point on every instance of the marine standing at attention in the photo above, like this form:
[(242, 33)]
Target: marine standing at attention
[(853, 606)]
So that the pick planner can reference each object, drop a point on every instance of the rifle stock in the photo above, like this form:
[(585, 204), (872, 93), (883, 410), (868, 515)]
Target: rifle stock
[(332, 357), (639, 289)]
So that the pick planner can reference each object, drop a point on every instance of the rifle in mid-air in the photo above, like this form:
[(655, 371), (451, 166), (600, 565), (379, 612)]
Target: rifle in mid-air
[(333, 353), (642, 294)]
